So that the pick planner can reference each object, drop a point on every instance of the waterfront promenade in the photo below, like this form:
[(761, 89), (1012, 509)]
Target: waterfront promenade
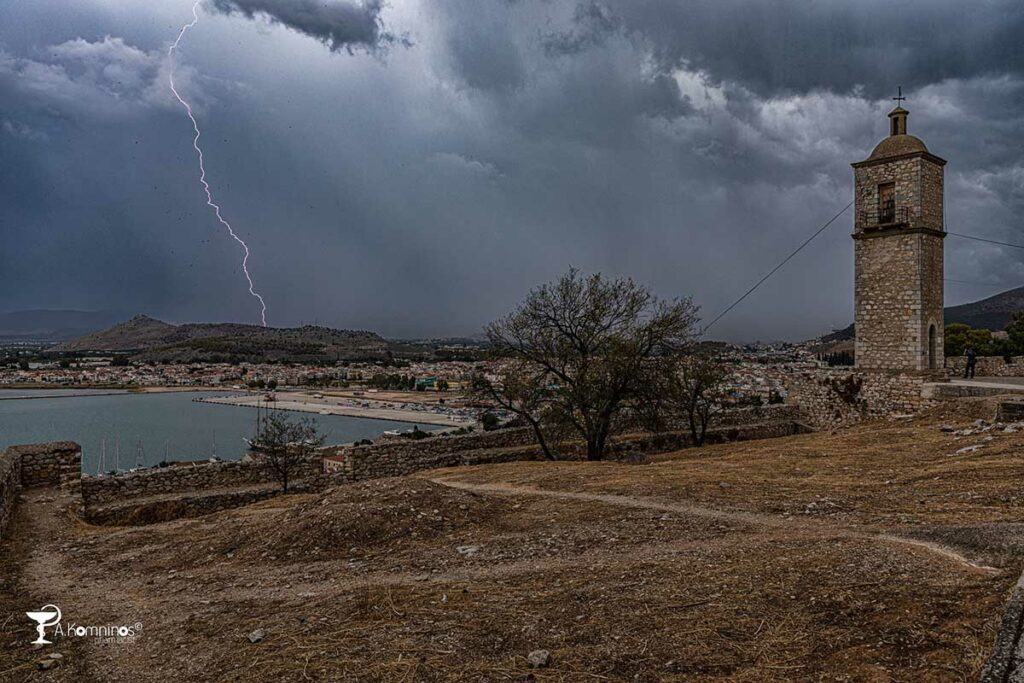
[(416, 413)]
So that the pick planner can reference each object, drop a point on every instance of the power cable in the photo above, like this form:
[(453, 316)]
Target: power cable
[(776, 268)]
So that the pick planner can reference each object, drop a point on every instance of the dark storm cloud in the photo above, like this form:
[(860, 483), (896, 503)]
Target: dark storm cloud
[(800, 45), (339, 24), (593, 23), (423, 191)]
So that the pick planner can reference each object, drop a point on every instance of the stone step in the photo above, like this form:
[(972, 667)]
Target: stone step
[(965, 388)]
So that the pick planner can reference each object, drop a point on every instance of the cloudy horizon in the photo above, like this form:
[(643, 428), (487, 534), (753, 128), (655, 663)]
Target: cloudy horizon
[(415, 167)]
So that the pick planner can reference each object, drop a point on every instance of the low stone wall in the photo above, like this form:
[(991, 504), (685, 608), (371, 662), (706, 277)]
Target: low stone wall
[(33, 465), (756, 415), (987, 366), (355, 463), (402, 456), (138, 512), (105, 489), (193, 489), (647, 443), (10, 482), (49, 464), (827, 399)]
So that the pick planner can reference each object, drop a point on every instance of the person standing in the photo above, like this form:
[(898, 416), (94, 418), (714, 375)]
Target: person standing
[(972, 360)]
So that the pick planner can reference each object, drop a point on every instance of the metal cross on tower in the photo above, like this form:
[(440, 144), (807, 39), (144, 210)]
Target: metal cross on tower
[(899, 96)]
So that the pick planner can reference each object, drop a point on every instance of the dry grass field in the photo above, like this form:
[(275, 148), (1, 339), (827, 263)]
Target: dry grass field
[(877, 553)]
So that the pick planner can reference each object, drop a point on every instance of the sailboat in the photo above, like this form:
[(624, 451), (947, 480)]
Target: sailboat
[(254, 443)]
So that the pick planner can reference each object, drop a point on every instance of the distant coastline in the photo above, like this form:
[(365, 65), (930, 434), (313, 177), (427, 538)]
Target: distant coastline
[(305, 403), (83, 391)]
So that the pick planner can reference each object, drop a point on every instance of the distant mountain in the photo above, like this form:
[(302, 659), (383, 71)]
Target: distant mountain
[(141, 332), (993, 313), (152, 339), (53, 325)]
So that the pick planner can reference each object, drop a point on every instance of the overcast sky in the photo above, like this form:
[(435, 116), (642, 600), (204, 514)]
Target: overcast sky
[(415, 166)]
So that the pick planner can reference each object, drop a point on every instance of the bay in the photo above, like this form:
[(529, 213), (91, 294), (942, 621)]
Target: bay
[(144, 429)]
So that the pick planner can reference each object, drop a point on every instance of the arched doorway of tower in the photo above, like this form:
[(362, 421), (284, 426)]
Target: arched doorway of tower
[(931, 346)]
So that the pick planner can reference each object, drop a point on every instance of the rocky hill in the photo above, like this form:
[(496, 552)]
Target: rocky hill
[(993, 313), (152, 339)]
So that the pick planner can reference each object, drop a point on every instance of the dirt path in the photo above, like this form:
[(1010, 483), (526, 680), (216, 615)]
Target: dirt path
[(40, 529), (804, 526), (50, 572)]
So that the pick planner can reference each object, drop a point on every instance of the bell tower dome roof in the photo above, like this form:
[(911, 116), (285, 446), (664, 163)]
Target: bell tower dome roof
[(899, 143)]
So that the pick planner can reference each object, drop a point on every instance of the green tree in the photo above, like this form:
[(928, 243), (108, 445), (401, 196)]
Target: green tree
[(489, 421), (1015, 332), (960, 337)]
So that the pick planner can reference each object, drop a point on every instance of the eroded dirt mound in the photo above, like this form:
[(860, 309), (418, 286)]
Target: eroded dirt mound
[(362, 519)]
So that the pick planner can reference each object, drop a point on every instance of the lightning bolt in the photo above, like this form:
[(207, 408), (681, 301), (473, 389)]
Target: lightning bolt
[(202, 168)]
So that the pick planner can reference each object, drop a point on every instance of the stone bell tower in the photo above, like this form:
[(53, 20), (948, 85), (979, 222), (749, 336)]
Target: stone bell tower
[(898, 236)]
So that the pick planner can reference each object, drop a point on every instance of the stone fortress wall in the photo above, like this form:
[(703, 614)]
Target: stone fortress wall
[(189, 489), (402, 457), (199, 476), (10, 482), (45, 464), (822, 399), (987, 366), (827, 399)]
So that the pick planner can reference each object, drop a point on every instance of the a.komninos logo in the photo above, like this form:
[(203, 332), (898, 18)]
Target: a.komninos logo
[(50, 616)]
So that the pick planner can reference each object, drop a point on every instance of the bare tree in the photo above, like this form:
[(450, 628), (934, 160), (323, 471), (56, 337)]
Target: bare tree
[(589, 342), (521, 390), (693, 391), (286, 444), (683, 388)]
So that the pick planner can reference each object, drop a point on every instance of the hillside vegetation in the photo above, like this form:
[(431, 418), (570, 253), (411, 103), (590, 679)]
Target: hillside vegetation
[(155, 340)]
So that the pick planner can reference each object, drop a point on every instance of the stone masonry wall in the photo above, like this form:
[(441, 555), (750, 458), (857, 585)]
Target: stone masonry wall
[(898, 296), (29, 466), (138, 512), (398, 458), (102, 490), (898, 293), (918, 184), (187, 490), (988, 366), (932, 189), (10, 482), (668, 442), (828, 399), (50, 464)]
